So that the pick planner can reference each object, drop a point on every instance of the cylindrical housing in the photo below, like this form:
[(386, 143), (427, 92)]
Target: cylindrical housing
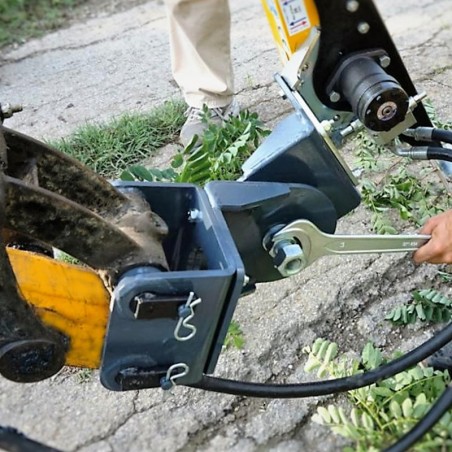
[(375, 97)]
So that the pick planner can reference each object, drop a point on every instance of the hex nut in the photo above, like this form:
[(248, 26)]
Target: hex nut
[(289, 259)]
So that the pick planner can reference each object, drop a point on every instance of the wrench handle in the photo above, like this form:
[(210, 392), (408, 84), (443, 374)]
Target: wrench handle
[(365, 244)]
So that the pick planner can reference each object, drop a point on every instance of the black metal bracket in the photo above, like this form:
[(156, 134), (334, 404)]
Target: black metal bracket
[(345, 32)]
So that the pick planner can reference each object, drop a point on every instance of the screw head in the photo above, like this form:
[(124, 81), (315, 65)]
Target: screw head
[(194, 215), (352, 6), (363, 28), (334, 96), (385, 61)]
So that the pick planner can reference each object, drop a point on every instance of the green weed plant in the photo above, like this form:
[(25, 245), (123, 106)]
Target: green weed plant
[(397, 185), (217, 155), (379, 414)]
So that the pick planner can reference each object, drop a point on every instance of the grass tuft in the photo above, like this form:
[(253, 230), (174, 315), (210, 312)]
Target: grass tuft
[(23, 19), (112, 147)]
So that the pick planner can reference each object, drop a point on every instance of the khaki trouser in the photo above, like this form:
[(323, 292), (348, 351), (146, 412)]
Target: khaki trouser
[(201, 50)]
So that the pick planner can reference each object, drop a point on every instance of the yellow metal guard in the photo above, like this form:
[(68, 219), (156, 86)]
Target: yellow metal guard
[(291, 22), (69, 298)]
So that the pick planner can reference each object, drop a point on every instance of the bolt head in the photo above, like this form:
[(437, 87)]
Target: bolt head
[(385, 61), (335, 97), (363, 28), (194, 215), (352, 6)]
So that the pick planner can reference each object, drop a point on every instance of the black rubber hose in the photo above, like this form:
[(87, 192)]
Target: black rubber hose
[(442, 135), (11, 440), (438, 153), (443, 404), (319, 388)]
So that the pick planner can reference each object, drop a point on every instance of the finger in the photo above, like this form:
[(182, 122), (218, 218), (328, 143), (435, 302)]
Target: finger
[(422, 255), (430, 225), (429, 252)]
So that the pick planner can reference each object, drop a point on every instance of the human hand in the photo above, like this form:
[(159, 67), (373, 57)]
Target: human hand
[(438, 250)]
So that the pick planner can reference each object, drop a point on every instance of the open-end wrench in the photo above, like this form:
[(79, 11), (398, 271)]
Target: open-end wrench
[(314, 244)]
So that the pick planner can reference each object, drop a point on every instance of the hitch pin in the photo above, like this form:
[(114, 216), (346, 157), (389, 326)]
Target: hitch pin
[(316, 243)]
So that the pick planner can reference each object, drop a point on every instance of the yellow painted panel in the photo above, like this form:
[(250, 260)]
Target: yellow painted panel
[(72, 299), (290, 22)]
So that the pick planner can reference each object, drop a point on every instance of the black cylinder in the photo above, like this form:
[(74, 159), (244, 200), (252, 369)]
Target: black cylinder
[(31, 360), (375, 97)]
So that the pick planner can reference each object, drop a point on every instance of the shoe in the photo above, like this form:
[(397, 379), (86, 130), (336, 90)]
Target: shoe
[(194, 125)]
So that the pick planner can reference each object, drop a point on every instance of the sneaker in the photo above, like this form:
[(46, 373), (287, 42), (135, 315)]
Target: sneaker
[(194, 125)]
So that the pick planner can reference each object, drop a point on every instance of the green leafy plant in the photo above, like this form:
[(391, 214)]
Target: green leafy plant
[(434, 117), (85, 375), (405, 187), (235, 337), (379, 414), (217, 155), (415, 197), (140, 173), (427, 305)]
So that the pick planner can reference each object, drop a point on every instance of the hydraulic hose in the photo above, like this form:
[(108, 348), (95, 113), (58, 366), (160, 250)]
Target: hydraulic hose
[(425, 153), (443, 404), (430, 134), (442, 135), (438, 153), (319, 388)]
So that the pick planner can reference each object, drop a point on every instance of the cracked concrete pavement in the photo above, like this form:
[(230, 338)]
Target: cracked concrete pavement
[(109, 65)]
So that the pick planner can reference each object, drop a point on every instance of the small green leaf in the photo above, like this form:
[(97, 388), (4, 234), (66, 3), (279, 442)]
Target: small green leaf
[(334, 413), (371, 356), (395, 409), (177, 161), (126, 176), (331, 353), (354, 415), (324, 414), (397, 314), (316, 345), (407, 408), (312, 364), (322, 350), (367, 421), (420, 312)]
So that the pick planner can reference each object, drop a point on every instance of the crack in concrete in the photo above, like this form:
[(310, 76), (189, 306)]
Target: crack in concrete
[(239, 409), (113, 38), (424, 45), (112, 430)]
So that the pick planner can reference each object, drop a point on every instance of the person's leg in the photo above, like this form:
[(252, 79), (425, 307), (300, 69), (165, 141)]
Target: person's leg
[(201, 58)]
